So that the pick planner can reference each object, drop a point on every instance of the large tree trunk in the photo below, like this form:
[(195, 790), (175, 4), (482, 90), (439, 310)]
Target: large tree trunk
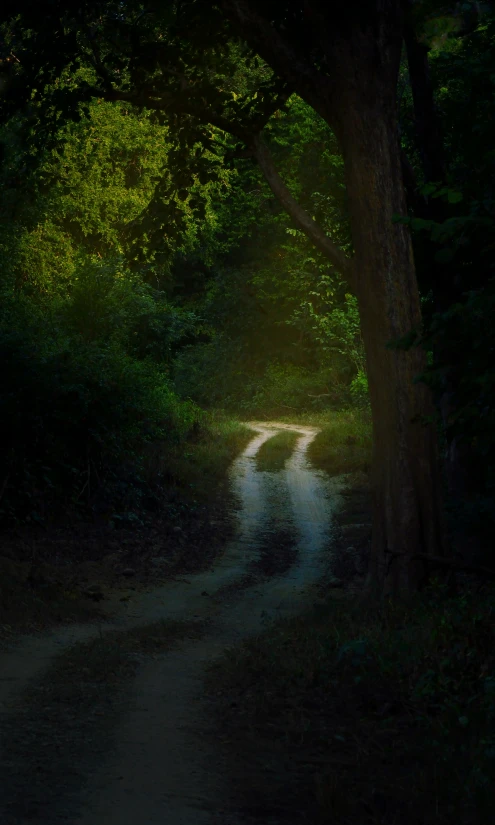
[(407, 519)]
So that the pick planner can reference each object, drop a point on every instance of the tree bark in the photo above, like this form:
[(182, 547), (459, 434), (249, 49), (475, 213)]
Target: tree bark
[(407, 519)]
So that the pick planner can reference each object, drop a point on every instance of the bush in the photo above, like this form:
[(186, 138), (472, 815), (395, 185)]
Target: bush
[(72, 411), (359, 390), (217, 374)]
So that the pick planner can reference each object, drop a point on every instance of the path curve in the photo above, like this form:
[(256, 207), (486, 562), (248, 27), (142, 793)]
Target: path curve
[(164, 768)]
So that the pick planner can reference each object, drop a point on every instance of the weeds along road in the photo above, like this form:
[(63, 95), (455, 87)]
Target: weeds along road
[(147, 752)]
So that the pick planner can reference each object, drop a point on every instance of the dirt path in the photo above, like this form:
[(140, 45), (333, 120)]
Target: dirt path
[(162, 764)]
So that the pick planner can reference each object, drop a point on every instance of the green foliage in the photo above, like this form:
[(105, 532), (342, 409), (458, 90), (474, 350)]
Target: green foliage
[(85, 388), (110, 303), (195, 469), (465, 337), (285, 388), (296, 344), (359, 389), (87, 331), (217, 374), (106, 187), (336, 330), (453, 226), (73, 412)]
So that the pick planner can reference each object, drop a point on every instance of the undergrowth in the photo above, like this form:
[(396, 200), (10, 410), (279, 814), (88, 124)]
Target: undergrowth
[(183, 484), (196, 468), (343, 444), (386, 715)]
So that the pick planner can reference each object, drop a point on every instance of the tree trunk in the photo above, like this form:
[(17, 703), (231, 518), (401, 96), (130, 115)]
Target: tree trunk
[(405, 475)]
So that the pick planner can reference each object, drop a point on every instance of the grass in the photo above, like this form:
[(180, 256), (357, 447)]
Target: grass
[(369, 714), (198, 467), (192, 476), (273, 454), (344, 443)]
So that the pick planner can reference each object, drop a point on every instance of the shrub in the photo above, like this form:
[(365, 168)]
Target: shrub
[(72, 411)]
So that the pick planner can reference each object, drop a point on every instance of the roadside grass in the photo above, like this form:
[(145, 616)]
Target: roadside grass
[(198, 467), (344, 443), (383, 715), (273, 454)]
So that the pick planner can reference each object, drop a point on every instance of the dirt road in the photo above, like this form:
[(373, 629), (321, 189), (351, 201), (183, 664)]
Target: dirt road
[(161, 763)]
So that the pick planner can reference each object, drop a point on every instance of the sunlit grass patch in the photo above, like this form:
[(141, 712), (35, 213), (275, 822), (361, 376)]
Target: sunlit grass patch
[(273, 454), (344, 443)]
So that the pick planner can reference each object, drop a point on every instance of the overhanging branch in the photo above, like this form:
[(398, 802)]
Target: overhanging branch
[(302, 220)]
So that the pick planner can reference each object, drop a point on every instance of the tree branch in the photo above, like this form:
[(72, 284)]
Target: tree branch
[(255, 147), (302, 220), (258, 149), (283, 56), (162, 102)]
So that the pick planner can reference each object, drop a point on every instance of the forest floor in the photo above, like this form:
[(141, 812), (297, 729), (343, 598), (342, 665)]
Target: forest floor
[(119, 719)]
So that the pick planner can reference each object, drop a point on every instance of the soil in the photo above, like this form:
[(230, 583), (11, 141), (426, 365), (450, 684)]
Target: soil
[(108, 721)]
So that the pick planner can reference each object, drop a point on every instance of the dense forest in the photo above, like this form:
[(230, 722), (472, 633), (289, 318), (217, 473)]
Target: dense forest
[(217, 213)]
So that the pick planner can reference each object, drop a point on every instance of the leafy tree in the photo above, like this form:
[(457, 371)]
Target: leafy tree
[(86, 340)]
